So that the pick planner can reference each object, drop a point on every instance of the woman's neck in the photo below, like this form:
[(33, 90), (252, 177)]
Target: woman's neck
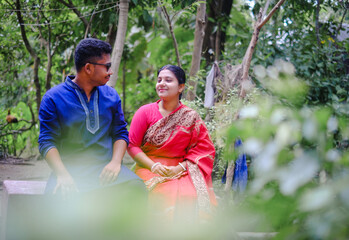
[(166, 107)]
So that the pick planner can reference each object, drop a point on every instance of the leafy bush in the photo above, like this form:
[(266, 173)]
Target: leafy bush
[(13, 140), (299, 159)]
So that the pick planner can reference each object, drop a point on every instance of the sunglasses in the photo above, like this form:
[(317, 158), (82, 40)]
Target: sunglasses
[(107, 65)]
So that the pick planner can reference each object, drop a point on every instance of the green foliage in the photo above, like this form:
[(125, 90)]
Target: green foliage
[(162, 51), (299, 156), (297, 161), (143, 93), (14, 143), (292, 35)]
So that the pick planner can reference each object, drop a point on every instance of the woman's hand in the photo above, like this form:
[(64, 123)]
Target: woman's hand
[(160, 169), (174, 170)]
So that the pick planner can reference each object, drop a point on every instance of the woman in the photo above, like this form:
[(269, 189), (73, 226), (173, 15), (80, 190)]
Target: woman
[(173, 150)]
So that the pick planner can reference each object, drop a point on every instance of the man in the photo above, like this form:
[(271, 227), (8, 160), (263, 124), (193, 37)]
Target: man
[(83, 134)]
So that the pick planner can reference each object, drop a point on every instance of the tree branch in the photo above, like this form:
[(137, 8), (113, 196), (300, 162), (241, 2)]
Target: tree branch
[(340, 25), (266, 8), (91, 18), (23, 129), (167, 17), (32, 54), (317, 24), (69, 4), (276, 7), (23, 32)]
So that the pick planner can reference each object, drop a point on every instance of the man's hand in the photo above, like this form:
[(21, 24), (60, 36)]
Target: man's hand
[(65, 186), (109, 173)]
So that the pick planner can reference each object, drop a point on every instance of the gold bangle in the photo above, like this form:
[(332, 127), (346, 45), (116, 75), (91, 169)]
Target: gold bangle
[(180, 164), (154, 165)]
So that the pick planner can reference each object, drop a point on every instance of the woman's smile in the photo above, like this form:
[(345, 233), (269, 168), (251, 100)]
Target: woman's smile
[(167, 85)]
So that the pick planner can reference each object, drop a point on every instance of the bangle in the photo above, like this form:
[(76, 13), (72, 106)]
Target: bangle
[(154, 165), (182, 166)]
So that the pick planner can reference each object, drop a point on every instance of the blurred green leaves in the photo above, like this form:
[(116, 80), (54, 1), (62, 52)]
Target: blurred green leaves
[(299, 167)]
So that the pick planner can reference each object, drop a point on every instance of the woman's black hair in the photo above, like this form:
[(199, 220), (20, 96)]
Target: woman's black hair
[(177, 71)]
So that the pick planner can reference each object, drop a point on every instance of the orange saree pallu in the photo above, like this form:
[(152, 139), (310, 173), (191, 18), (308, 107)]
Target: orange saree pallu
[(170, 140)]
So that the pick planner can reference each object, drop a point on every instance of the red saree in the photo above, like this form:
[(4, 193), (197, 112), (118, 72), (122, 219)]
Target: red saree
[(169, 140)]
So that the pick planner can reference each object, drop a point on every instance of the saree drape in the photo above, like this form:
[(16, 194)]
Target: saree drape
[(170, 140)]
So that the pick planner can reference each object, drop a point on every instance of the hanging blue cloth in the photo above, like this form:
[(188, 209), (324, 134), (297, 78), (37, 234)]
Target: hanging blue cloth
[(224, 177), (240, 172)]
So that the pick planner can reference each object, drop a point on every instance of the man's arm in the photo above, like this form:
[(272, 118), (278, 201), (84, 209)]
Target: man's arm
[(112, 169), (50, 131), (65, 182)]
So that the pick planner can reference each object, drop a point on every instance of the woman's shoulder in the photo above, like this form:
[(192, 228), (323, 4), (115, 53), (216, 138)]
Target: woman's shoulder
[(148, 107), (146, 113)]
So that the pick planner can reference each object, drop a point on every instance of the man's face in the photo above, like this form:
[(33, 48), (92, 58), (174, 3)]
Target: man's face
[(101, 71)]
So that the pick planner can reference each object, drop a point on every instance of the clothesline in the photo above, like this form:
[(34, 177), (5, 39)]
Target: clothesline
[(45, 24), (53, 9)]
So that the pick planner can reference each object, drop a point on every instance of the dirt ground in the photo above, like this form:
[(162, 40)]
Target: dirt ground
[(23, 169)]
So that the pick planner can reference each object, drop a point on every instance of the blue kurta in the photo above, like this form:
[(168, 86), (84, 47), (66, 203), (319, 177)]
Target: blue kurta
[(82, 131)]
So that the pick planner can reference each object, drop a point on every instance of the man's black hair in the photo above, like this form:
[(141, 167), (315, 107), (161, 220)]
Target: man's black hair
[(90, 50)]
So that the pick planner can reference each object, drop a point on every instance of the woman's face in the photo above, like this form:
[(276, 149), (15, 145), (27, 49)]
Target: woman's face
[(167, 86)]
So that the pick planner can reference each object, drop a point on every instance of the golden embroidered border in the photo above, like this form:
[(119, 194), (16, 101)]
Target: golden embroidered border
[(154, 181), (204, 203)]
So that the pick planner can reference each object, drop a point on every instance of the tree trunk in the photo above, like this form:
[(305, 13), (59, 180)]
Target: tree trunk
[(37, 82), (119, 42), (317, 23), (32, 54), (48, 69), (219, 11), (111, 36), (124, 87), (246, 62), (208, 38), (49, 60), (217, 44), (230, 176), (196, 57)]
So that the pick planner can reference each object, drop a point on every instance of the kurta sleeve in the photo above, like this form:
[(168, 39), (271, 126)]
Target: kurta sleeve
[(201, 150), (50, 129), (138, 127), (119, 126)]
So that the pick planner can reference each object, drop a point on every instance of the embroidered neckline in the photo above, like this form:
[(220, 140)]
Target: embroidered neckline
[(79, 91)]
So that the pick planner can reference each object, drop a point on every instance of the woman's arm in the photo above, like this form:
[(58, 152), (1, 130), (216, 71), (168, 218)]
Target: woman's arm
[(143, 160), (201, 151), (139, 125)]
